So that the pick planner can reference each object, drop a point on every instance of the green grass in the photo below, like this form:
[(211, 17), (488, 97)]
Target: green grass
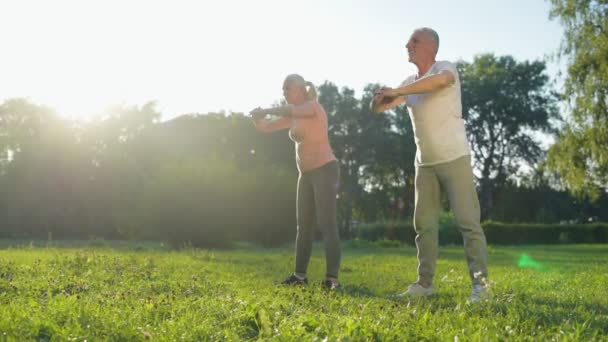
[(139, 292)]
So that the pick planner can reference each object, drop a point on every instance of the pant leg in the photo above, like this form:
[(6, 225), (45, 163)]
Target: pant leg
[(457, 179), (325, 184), (426, 217), (305, 216)]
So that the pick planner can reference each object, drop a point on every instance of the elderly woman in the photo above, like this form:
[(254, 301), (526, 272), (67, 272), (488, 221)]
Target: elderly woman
[(319, 174)]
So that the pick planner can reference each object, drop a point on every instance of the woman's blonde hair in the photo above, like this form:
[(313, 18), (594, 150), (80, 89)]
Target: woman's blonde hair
[(311, 91)]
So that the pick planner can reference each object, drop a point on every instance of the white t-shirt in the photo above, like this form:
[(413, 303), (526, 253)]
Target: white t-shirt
[(436, 117)]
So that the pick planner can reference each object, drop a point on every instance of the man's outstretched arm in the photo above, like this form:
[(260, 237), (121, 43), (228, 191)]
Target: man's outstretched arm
[(423, 85)]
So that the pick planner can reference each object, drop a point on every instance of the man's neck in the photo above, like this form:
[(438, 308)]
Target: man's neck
[(423, 67)]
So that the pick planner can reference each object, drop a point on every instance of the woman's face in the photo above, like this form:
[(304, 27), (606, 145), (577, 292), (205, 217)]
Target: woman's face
[(292, 93)]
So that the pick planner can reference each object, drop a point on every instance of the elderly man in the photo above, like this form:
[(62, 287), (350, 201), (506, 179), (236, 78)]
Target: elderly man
[(442, 161)]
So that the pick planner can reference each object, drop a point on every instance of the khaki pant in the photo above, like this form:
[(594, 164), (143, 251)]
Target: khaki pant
[(456, 179)]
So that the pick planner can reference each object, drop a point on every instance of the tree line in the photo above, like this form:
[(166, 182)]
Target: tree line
[(207, 179)]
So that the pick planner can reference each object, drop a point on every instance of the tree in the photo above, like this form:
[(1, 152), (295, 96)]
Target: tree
[(580, 155), (43, 180), (343, 111), (20, 124), (372, 154), (389, 173), (504, 103)]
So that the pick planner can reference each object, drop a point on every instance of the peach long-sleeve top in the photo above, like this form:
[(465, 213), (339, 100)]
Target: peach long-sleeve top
[(308, 129)]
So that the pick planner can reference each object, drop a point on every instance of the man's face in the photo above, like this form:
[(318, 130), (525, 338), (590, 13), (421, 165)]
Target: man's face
[(420, 47)]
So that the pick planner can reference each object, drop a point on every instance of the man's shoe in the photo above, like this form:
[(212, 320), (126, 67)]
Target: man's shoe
[(416, 290)]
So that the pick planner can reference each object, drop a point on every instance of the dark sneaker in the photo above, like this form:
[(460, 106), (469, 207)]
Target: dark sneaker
[(331, 285), (479, 294), (294, 280)]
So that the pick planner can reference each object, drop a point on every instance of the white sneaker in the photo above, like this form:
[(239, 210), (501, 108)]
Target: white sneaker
[(479, 293), (417, 290)]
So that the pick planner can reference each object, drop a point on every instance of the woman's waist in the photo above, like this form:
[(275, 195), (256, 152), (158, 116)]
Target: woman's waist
[(313, 146), (310, 156)]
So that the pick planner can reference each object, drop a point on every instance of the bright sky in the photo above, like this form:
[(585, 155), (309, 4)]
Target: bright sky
[(81, 56)]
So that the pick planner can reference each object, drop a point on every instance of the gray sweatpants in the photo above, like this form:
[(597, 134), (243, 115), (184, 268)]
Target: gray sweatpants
[(456, 178), (316, 204)]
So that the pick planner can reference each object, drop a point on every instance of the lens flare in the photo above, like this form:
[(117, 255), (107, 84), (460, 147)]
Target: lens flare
[(525, 261)]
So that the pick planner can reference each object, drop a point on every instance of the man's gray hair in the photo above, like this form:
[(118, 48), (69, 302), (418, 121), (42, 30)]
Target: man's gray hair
[(432, 33)]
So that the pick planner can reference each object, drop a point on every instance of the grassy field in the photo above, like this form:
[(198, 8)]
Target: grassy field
[(139, 292)]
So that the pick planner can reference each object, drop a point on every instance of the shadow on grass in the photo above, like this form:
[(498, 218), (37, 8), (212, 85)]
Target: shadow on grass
[(354, 290), (437, 301), (552, 312)]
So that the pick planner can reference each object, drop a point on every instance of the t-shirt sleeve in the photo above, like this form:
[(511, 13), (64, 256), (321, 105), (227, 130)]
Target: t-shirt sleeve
[(408, 80), (448, 66)]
